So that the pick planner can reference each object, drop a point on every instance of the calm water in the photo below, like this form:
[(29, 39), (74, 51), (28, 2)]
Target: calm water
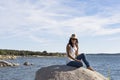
[(101, 63)]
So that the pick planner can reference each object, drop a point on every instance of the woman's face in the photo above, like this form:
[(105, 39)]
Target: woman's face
[(73, 41)]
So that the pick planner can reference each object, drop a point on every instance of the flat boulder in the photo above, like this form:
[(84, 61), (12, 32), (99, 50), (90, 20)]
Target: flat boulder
[(63, 72)]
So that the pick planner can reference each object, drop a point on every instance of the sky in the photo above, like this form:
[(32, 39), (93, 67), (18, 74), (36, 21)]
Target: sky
[(39, 25)]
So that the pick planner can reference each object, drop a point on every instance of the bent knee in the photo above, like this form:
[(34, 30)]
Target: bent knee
[(83, 54)]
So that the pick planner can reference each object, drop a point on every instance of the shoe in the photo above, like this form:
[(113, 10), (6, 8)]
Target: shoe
[(90, 68)]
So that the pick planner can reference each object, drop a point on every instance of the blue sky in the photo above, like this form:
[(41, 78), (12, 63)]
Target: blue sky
[(40, 25)]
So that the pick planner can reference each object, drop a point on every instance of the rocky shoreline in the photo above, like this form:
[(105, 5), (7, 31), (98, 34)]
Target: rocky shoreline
[(5, 64), (3, 57)]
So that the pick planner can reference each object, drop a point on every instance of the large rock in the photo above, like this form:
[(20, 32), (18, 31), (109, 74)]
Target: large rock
[(63, 72), (5, 64)]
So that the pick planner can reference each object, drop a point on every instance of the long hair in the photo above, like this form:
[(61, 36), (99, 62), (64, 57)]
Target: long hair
[(70, 42)]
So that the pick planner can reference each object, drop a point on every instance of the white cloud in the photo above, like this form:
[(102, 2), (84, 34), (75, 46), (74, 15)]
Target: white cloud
[(25, 18), (40, 40), (113, 39), (108, 31), (94, 24)]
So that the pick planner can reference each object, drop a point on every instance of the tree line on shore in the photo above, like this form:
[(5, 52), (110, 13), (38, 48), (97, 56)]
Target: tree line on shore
[(28, 53)]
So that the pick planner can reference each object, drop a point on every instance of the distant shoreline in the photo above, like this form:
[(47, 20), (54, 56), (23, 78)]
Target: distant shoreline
[(43, 53), (29, 53), (104, 54), (9, 57)]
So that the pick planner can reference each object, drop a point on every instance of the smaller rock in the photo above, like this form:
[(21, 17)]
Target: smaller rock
[(27, 64), (15, 64)]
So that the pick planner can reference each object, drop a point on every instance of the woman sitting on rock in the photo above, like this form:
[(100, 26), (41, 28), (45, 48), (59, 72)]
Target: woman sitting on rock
[(73, 56)]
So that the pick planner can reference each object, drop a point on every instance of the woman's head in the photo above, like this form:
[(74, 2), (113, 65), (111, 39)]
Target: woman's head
[(73, 40)]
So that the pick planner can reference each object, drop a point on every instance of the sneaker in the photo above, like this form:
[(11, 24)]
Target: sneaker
[(90, 68)]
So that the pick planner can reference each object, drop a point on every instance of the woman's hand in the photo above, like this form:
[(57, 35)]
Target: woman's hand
[(77, 60)]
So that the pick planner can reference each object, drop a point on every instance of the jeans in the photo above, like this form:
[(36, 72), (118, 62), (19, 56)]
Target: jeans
[(79, 64)]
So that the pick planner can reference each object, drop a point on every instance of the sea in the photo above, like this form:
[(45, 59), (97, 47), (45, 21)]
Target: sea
[(106, 64)]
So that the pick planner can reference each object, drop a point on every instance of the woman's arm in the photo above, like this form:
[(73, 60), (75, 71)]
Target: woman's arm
[(68, 53), (77, 50)]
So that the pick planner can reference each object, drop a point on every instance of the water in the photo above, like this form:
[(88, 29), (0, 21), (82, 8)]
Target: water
[(101, 63)]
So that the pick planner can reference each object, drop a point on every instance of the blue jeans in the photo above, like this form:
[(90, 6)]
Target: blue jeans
[(79, 64)]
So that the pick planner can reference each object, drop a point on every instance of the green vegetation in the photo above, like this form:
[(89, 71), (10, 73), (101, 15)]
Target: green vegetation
[(28, 53)]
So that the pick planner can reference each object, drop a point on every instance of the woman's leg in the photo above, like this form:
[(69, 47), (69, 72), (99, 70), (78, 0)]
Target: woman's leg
[(82, 56), (75, 64)]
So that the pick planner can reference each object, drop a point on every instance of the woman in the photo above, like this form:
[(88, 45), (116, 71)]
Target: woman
[(73, 56)]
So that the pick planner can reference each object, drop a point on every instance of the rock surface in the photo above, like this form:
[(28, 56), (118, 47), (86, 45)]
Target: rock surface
[(63, 72), (5, 64)]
